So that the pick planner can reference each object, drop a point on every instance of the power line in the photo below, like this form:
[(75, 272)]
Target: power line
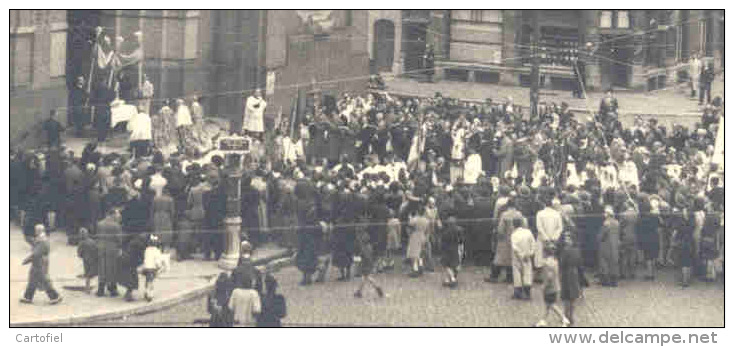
[(298, 85)]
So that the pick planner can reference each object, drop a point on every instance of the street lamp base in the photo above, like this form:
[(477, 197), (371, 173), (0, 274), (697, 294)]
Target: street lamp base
[(228, 261)]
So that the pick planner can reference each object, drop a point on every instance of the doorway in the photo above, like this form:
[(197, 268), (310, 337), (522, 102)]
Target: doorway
[(384, 45), (616, 60), (414, 45)]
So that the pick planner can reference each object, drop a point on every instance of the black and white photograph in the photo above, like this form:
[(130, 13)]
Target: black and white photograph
[(510, 168)]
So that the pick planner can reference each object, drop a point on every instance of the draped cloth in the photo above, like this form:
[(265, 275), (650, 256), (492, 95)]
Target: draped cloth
[(123, 60), (103, 58), (164, 131), (418, 145), (253, 118), (538, 174), (472, 168), (628, 173), (608, 177), (572, 177), (183, 116)]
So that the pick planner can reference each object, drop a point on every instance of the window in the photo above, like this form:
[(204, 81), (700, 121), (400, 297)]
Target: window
[(483, 16), (191, 38), (476, 16), (702, 38), (492, 16), (614, 19), (58, 54), (623, 19), (21, 58), (461, 15), (349, 17), (606, 19)]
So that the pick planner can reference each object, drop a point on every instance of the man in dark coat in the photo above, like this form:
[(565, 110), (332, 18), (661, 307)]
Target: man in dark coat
[(344, 232), (245, 274), (399, 139), (479, 242), (306, 257), (131, 257), (109, 235), (38, 278), (78, 97), (250, 199), (368, 139), (73, 194), (214, 213), (103, 115), (705, 82), (378, 213), (716, 195), (53, 130)]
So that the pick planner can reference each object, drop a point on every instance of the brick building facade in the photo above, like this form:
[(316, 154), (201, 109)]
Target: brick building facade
[(635, 49), (37, 66), (216, 54), (220, 54)]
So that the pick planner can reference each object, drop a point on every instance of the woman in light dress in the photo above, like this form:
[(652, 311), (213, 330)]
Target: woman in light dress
[(164, 129), (183, 124)]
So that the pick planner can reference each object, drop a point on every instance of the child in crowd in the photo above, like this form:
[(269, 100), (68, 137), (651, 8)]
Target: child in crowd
[(273, 304), (569, 258), (364, 249), (523, 249), (87, 251), (450, 241), (244, 303), (220, 315), (551, 285), (153, 264), (393, 238)]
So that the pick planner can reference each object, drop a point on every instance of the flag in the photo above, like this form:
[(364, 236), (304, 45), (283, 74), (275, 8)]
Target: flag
[(103, 59), (123, 60)]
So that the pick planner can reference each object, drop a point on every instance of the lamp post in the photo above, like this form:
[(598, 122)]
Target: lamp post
[(233, 220)]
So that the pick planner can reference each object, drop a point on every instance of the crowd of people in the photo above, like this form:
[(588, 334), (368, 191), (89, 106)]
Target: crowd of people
[(374, 176)]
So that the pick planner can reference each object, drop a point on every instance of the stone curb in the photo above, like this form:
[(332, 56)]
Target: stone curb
[(273, 263)]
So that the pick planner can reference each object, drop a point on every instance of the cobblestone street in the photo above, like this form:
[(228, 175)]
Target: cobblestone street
[(424, 302)]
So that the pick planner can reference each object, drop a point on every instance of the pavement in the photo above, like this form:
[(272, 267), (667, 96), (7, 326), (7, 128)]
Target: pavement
[(185, 280), (424, 302), (668, 105)]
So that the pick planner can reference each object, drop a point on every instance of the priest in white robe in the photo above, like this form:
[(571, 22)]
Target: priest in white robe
[(253, 121), (292, 150), (628, 174), (472, 167)]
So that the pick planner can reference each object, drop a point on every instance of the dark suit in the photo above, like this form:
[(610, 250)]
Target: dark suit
[(38, 277)]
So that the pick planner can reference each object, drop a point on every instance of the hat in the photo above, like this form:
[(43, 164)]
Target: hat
[(524, 191), (584, 196), (504, 190), (39, 229), (245, 247)]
